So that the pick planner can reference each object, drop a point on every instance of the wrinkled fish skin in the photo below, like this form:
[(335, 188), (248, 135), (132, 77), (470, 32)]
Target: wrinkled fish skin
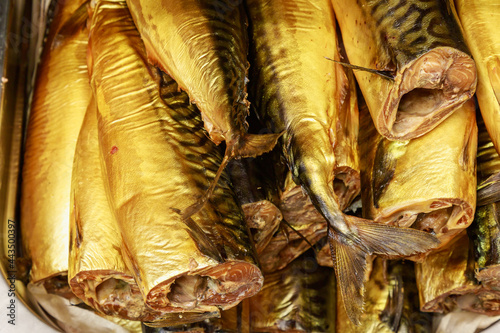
[(421, 45), (203, 45), (299, 298), (391, 302), (159, 160), (295, 92), (61, 96), (480, 23), (446, 281), (392, 174)]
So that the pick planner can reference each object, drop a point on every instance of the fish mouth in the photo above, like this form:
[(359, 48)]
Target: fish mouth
[(427, 91), (208, 289)]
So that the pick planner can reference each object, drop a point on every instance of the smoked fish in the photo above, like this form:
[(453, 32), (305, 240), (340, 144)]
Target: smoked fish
[(446, 281), (480, 23), (97, 272), (158, 160), (391, 302), (428, 183), (62, 94), (256, 190), (295, 93), (203, 45), (419, 68), (299, 298), (488, 167)]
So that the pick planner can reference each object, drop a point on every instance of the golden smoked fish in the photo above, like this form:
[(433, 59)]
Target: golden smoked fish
[(428, 183), (488, 168), (446, 281), (296, 89), (256, 189), (158, 160), (299, 298), (203, 45), (62, 94), (391, 302), (427, 71), (480, 23), (97, 272)]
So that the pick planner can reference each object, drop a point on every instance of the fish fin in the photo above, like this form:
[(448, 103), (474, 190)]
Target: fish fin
[(388, 240), (76, 22), (253, 145), (389, 75), (350, 262), (350, 254), (196, 207)]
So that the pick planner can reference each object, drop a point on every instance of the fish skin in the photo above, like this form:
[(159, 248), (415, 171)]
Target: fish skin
[(421, 44), (295, 93), (159, 160), (480, 23), (203, 46), (299, 298), (392, 173), (60, 99)]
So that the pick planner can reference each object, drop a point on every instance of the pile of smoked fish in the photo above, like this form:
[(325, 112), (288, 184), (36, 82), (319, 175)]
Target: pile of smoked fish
[(266, 165)]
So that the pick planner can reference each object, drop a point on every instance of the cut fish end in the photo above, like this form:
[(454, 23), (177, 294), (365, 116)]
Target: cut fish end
[(426, 92), (209, 289)]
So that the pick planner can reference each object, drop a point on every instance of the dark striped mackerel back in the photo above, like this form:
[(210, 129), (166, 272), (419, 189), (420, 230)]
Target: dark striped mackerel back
[(409, 28)]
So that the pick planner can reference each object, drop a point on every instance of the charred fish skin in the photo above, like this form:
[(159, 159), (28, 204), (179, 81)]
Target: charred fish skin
[(421, 44), (295, 93), (203, 45), (200, 264)]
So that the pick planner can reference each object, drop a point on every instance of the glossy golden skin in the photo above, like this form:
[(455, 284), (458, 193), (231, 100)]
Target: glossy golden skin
[(158, 161), (297, 91), (61, 97), (391, 302), (446, 281), (203, 46), (419, 46), (488, 168), (299, 298), (428, 183), (480, 22), (97, 272)]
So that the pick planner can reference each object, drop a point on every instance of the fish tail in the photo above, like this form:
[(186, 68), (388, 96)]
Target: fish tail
[(351, 254)]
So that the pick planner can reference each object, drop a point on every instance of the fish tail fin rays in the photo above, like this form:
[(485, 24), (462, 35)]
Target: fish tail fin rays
[(253, 145), (351, 253)]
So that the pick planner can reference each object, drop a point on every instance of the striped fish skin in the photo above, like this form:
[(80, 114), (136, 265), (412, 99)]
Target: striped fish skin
[(296, 91), (203, 45), (159, 160), (446, 281), (392, 303), (485, 235), (420, 43), (298, 298), (480, 23), (61, 96)]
